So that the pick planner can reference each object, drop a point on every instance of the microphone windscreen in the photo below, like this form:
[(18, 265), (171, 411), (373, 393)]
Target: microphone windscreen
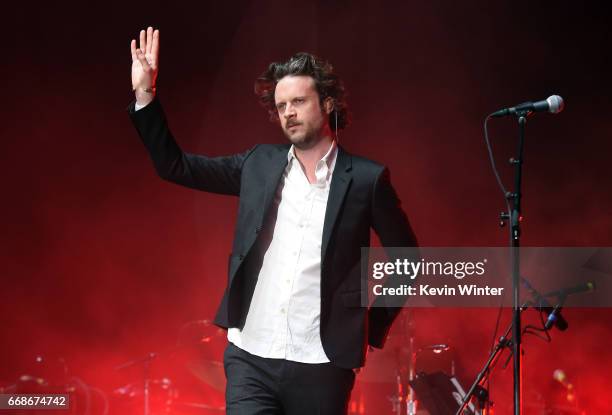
[(555, 104)]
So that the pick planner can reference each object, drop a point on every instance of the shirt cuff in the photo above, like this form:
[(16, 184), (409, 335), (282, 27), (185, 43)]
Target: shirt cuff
[(138, 106)]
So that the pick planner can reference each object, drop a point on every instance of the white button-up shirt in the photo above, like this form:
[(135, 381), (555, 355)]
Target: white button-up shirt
[(284, 316)]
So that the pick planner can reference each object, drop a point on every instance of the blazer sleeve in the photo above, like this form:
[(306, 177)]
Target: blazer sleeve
[(393, 229), (210, 174)]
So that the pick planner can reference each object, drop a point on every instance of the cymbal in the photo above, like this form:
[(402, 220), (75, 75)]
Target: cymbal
[(210, 372)]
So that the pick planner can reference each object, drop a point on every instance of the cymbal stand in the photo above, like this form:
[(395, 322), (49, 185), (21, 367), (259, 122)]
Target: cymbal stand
[(146, 364)]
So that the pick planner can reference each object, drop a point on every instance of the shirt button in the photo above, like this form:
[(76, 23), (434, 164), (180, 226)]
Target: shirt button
[(283, 310), (288, 281)]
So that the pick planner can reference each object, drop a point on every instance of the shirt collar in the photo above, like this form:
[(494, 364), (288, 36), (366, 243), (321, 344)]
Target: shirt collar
[(329, 158), (324, 167)]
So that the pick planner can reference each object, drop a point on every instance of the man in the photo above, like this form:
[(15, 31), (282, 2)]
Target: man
[(292, 305)]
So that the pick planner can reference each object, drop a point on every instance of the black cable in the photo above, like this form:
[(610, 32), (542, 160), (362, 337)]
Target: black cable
[(533, 330), (493, 165), (504, 192)]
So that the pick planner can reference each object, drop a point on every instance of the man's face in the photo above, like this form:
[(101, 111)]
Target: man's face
[(299, 111)]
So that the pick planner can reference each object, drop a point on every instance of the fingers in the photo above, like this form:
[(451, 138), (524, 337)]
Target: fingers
[(143, 41), (143, 60), (155, 46), (147, 48), (133, 50)]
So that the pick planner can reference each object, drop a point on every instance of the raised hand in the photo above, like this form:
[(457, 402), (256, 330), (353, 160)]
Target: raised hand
[(145, 61)]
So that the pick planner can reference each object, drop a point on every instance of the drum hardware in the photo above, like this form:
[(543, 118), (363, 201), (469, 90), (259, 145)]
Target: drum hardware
[(192, 335)]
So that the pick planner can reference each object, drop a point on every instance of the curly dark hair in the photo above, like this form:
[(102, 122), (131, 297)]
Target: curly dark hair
[(327, 83)]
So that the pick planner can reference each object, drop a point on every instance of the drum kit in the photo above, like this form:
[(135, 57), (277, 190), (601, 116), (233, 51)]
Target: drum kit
[(403, 379), (189, 379)]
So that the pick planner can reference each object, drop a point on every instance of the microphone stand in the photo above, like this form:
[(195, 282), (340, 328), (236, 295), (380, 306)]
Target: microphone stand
[(515, 217), (515, 235)]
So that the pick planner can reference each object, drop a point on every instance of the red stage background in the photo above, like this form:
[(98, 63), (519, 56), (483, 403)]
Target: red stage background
[(104, 262)]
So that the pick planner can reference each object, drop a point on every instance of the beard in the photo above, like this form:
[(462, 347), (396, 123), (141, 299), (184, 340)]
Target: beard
[(303, 137)]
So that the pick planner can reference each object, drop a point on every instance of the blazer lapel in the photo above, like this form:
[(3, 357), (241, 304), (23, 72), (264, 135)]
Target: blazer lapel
[(341, 179), (274, 172)]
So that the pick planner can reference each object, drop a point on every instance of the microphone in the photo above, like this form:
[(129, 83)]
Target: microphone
[(553, 104), (554, 313), (555, 318), (580, 288)]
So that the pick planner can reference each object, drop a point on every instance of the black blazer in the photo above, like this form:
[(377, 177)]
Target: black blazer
[(361, 197)]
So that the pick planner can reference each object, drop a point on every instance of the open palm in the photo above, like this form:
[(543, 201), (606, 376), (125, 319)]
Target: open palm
[(145, 59)]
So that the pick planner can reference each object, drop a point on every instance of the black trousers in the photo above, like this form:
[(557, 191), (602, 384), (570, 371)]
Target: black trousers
[(258, 386)]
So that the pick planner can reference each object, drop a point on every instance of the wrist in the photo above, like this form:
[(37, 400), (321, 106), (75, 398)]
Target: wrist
[(144, 95)]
